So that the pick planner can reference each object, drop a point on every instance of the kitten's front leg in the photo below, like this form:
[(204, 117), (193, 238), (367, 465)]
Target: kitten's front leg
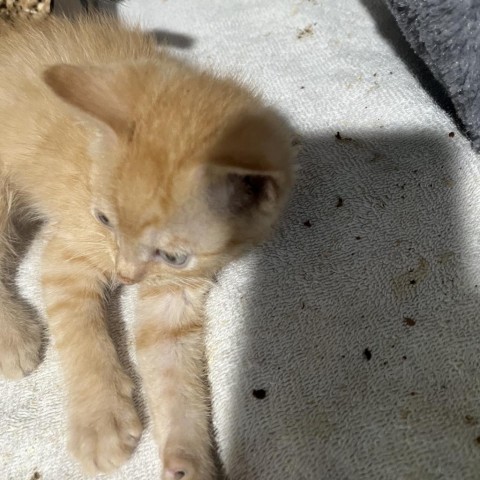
[(170, 351), (104, 426)]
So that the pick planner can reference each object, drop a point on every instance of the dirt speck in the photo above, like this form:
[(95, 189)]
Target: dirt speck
[(302, 306), (36, 476), (367, 354), (302, 87), (307, 223), (358, 237), (409, 322), (470, 420), (305, 32), (477, 440), (339, 202), (259, 394), (339, 137), (413, 394), (402, 285), (451, 134), (404, 357)]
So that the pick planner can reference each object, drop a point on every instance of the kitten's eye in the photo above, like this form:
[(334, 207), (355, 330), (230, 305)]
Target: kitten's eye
[(174, 259), (102, 218)]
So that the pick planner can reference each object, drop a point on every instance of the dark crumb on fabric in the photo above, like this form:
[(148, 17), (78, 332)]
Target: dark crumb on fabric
[(358, 238), (339, 202), (477, 440), (451, 134), (303, 306), (307, 223), (413, 393), (367, 354), (375, 74), (410, 322), (305, 32), (404, 357), (302, 87), (36, 476), (343, 139), (391, 73), (413, 282), (385, 363), (260, 394), (471, 420)]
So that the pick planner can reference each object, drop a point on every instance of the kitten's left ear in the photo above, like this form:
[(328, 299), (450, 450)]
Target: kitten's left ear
[(252, 164), (94, 91)]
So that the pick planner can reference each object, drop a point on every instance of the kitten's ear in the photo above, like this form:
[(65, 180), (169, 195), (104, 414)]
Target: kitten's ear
[(93, 91), (251, 166)]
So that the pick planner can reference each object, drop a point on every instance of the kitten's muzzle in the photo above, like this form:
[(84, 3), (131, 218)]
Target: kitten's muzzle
[(126, 280)]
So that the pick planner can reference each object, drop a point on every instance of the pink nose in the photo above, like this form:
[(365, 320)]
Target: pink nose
[(126, 280)]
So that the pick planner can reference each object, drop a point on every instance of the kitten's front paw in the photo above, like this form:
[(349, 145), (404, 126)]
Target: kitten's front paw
[(105, 437), (20, 343)]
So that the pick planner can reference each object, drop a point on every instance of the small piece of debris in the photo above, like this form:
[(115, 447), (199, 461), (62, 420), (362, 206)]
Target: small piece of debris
[(404, 357), (471, 420), (410, 322), (413, 393), (451, 134), (305, 32), (36, 476), (367, 354), (391, 73), (307, 223), (413, 282), (260, 394), (478, 440), (303, 306), (343, 139), (358, 238), (339, 202), (302, 87), (375, 74)]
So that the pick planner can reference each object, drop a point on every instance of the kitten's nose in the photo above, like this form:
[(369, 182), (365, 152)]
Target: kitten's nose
[(129, 272), (125, 280)]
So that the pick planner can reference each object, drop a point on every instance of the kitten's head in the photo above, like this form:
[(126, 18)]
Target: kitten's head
[(187, 170)]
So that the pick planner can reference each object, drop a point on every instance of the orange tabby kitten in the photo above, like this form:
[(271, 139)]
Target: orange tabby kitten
[(148, 171)]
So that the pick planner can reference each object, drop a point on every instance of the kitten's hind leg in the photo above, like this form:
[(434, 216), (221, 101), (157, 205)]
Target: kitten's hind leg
[(170, 352), (20, 333)]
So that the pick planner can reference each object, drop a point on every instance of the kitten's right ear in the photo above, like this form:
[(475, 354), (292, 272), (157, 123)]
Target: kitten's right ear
[(93, 91)]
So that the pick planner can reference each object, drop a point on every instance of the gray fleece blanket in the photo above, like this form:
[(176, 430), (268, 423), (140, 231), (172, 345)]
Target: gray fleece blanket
[(445, 34)]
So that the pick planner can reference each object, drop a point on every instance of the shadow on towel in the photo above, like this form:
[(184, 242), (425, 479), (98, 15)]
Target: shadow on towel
[(354, 350), (164, 38)]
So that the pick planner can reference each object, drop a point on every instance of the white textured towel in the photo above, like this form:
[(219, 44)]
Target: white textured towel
[(359, 320)]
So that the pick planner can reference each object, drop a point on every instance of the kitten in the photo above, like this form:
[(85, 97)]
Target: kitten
[(148, 171)]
